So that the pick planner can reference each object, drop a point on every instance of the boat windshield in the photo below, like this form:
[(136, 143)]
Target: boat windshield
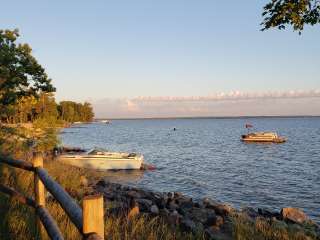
[(97, 151)]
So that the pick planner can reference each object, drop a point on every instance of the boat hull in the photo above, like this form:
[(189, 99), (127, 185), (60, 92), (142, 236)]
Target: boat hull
[(102, 163), (275, 140)]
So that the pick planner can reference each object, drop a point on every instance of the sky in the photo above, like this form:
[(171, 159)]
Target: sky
[(139, 58)]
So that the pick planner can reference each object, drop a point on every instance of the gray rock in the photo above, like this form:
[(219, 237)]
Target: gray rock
[(133, 194), (186, 205), (188, 225), (201, 214), (209, 202), (219, 221), (154, 209), (250, 212), (125, 188), (109, 195), (101, 183), (164, 212), (211, 221), (177, 194), (174, 212), (197, 205), (160, 201), (221, 209), (144, 204), (267, 213), (144, 201), (173, 206), (214, 221), (182, 199)]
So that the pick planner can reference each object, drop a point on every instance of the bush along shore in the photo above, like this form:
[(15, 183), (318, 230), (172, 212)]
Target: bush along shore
[(207, 218)]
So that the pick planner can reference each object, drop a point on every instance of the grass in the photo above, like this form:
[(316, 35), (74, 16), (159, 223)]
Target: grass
[(270, 229), (18, 220)]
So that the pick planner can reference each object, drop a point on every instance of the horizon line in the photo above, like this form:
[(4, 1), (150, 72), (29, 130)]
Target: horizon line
[(212, 117)]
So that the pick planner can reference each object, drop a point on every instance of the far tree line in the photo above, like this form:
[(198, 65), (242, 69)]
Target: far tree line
[(44, 107)]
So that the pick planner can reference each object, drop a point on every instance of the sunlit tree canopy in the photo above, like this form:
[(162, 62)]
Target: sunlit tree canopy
[(20, 73), (297, 13)]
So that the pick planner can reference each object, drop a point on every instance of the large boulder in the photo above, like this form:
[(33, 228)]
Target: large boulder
[(172, 205), (188, 225), (293, 214), (144, 204), (201, 215), (267, 213), (133, 194), (250, 212)]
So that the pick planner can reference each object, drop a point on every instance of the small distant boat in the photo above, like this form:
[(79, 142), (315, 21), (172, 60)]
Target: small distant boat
[(77, 122), (103, 160), (105, 121), (263, 137)]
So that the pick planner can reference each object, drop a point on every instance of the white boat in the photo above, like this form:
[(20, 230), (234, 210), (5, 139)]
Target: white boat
[(103, 160), (263, 137), (105, 121)]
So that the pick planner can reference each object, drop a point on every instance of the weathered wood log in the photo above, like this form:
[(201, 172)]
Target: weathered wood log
[(18, 196), (93, 215), (39, 190), (17, 163), (49, 223), (68, 204)]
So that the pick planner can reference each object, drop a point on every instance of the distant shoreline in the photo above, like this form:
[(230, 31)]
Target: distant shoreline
[(209, 117)]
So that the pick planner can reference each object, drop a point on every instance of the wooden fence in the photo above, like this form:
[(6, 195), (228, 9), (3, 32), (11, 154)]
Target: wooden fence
[(89, 220)]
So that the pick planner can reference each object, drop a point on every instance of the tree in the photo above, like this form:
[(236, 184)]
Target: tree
[(46, 106), (298, 13), (73, 112), (20, 73)]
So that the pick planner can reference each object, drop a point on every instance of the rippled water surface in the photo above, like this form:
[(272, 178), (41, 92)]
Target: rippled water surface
[(204, 157)]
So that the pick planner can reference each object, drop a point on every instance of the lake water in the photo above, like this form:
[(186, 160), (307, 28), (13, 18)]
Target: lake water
[(205, 158)]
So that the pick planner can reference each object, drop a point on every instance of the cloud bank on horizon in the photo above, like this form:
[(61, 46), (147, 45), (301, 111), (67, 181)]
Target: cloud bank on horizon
[(234, 103)]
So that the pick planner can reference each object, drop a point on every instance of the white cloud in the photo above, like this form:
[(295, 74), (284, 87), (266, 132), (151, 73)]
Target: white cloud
[(234, 95), (235, 103)]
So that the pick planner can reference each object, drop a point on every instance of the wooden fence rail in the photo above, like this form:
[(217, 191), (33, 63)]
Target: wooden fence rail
[(91, 218)]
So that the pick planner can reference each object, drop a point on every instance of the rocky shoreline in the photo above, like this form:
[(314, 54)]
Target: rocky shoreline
[(213, 218)]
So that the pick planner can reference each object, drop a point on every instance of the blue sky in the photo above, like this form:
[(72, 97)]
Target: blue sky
[(123, 49)]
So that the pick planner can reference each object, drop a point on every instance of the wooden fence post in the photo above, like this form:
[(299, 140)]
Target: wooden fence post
[(39, 189), (93, 215)]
